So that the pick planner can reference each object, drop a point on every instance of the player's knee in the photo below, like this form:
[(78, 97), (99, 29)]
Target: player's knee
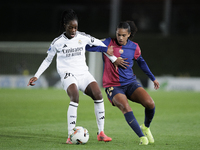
[(74, 98), (98, 95), (150, 104), (125, 108)]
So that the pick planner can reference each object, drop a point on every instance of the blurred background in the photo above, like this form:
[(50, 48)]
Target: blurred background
[(168, 35)]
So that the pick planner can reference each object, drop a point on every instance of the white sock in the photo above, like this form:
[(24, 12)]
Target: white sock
[(100, 113), (71, 116)]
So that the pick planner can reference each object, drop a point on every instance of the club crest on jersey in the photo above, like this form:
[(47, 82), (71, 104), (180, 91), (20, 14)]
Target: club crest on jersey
[(92, 39), (121, 51), (79, 42)]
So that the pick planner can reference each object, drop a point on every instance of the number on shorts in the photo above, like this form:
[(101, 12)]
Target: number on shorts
[(110, 89), (67, 75)]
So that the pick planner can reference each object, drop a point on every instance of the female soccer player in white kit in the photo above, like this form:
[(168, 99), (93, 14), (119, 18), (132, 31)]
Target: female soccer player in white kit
[(72, 68)]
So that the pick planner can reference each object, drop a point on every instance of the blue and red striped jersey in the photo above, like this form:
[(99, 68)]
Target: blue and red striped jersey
[(121, 76)]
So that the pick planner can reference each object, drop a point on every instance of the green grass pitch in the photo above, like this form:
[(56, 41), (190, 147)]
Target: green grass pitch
[(36, 119)]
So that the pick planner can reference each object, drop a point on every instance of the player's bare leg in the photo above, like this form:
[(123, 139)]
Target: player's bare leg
[(141, 96)]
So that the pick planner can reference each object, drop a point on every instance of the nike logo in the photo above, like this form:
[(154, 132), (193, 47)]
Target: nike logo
[(131, 121), (102, 117)]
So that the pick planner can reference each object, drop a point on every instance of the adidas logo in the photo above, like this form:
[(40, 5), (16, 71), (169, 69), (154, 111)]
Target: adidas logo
[(64, 46), (102, 117), (92, 39), (73, 122)]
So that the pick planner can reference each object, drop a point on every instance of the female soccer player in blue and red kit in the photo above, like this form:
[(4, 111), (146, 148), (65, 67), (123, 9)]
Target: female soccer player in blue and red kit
[(120, 82)]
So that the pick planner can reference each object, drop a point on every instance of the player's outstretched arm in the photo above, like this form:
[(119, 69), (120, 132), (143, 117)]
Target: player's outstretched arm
[(156, 84), (33, 79)]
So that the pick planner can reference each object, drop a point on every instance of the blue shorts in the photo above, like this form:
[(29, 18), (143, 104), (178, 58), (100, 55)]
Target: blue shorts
[(126, 90)]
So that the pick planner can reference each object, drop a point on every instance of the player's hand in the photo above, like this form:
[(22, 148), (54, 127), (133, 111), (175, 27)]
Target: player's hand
[(110, 50), (156, 84), (33, 79), (121, 62)]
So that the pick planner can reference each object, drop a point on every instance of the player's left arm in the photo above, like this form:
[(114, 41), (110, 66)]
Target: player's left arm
[(96, 48), (143, 65), (108, 50), (101, 46)]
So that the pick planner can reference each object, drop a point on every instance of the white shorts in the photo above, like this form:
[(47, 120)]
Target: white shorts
[(81, 81)]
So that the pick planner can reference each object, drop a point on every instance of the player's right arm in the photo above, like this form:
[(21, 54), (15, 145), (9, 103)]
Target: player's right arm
[(45, 64), (33, 79)]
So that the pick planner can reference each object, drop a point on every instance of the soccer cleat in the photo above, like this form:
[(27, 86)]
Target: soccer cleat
[(102, 137), (68, 141), (143, 140), (147, 133)]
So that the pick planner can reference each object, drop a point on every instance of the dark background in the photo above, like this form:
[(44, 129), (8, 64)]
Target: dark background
[(176, 53), (40, 20)]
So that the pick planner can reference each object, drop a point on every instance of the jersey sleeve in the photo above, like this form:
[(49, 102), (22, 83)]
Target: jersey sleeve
[(46, 62), (143, 65), (95, 42), (96, 48), (107, 42), (102, 49), (137, 52)]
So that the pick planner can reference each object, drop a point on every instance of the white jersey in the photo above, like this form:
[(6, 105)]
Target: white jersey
[(70, 54)]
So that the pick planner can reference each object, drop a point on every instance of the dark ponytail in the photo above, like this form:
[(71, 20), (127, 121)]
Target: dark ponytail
[(133, 29)]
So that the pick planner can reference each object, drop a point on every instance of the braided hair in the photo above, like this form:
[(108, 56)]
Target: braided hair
[(67, 16)]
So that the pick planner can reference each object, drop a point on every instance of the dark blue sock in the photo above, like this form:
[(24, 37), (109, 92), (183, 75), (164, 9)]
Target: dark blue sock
[(149, 114), (131, 120)]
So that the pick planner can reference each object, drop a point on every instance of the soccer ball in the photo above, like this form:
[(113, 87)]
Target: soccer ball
[(79, 135)]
